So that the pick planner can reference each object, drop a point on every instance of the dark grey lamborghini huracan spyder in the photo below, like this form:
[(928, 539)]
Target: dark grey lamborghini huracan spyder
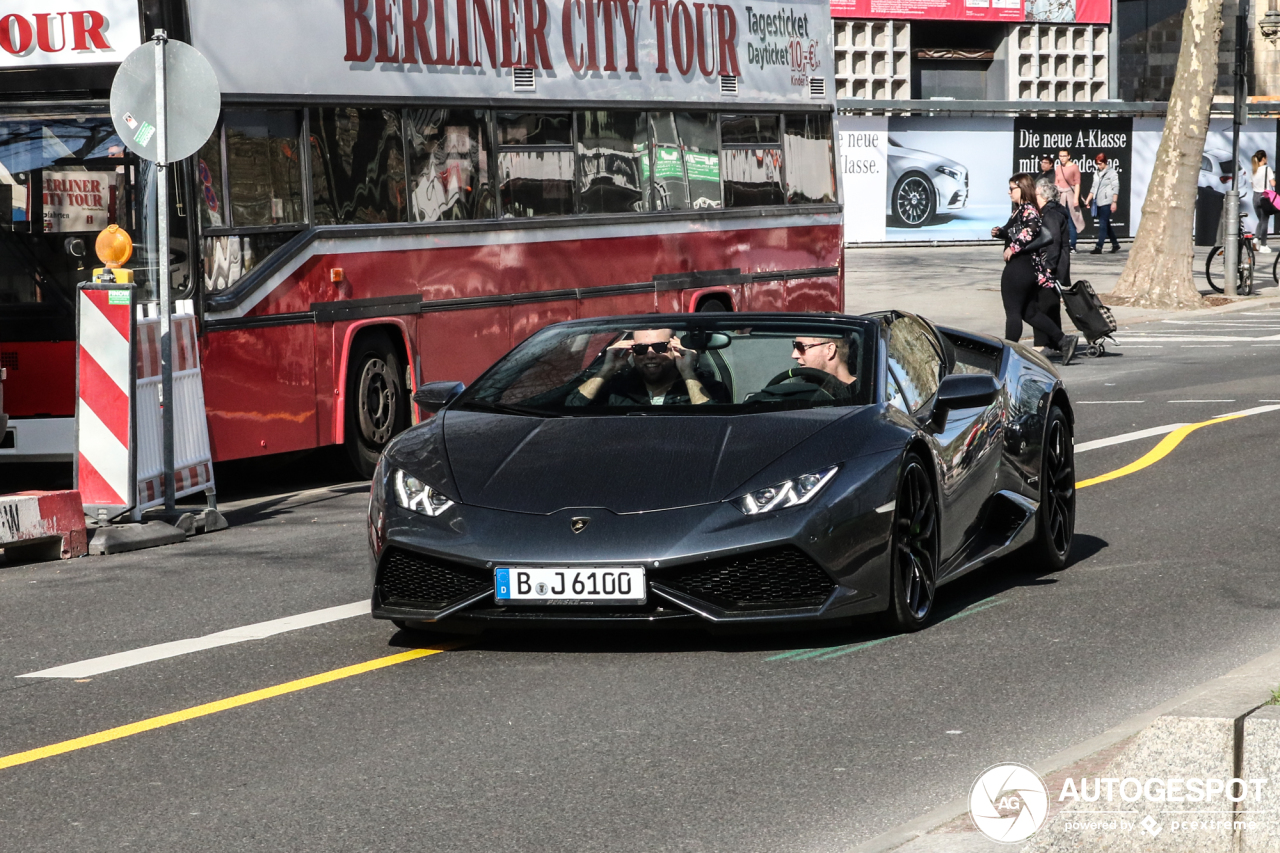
[(722, 469)]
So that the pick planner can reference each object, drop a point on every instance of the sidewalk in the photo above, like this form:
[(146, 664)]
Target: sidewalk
[(960, 285)]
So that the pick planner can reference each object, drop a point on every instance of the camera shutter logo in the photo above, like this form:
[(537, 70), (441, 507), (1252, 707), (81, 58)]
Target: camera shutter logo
[(1008, 803)]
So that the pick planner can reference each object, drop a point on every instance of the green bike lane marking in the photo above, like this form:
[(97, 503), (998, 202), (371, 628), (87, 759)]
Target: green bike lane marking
[(830, 652)]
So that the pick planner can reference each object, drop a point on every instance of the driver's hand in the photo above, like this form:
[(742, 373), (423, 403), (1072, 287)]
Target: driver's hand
[(614, 358), (686, 360)]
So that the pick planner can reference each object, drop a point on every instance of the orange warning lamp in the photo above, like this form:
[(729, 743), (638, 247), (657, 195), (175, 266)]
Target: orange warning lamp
[(114, 248)]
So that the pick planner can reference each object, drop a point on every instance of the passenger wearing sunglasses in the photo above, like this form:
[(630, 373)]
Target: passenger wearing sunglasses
[(650, 369)]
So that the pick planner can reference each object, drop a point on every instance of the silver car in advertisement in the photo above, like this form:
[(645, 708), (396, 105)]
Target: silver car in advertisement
[(923, 185)]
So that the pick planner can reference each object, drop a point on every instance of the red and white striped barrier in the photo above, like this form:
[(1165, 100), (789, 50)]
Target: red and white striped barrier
[(120, 455), (104, 390), (28, 519)]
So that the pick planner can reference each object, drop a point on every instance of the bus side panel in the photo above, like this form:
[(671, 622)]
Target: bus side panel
[(814, 294), (460, 345), (42, 378), (768, 296), (260, 390), (328, 390), (529, 318)]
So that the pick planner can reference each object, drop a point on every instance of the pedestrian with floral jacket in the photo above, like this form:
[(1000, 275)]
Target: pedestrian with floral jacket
[(1025, 270)]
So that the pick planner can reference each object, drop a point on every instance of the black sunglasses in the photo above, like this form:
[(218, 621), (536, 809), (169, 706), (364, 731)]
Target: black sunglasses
[(660, 347), (802, 347)]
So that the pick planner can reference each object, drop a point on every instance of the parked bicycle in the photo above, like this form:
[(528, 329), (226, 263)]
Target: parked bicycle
[(1215, 266)]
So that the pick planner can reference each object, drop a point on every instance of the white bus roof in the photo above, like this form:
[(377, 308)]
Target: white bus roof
[(467, 51)]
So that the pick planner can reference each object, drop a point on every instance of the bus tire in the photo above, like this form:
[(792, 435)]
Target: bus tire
[(377, 407), (713, 303)]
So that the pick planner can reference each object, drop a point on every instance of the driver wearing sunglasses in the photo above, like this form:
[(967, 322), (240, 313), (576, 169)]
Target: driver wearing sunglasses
[(830, 355), (649, 369)]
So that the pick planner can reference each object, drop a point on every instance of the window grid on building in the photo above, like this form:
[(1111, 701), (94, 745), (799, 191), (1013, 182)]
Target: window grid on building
[(1059, 63), (873, 59)]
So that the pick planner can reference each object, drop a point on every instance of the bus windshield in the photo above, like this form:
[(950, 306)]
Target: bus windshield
[(62, 181), (675, 365)]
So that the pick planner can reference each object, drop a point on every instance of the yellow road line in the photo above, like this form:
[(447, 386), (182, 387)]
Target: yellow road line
[(215, 707), (1160, 451)]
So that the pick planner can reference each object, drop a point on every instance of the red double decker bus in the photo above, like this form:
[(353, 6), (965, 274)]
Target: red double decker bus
[(398, 191)]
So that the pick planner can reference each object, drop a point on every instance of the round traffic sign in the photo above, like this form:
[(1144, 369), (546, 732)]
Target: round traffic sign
[(191, 95)]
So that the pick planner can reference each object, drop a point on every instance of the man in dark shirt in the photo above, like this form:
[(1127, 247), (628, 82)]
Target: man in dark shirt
[(662, 373)]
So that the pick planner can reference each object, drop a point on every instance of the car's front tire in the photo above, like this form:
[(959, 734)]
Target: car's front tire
[(1056, 517), (913, 553), (914, 200)]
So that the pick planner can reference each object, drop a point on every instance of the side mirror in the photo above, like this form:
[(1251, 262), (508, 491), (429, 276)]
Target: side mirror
[(434, 396), (966, 391)]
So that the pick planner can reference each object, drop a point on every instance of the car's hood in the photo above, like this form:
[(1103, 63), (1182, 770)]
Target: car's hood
[(632, 463)]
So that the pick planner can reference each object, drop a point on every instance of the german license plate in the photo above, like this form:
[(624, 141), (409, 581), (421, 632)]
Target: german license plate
[(516, 585)]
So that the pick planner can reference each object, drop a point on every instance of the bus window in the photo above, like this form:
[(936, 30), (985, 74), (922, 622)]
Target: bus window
[(613, 155), (357, 166), (686, 160), (209, 189), (264, 170), (752, 160), (535, 164), (448, 165), (811, 175)]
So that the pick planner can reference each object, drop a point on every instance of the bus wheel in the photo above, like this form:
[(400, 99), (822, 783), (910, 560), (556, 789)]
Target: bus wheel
[(712, 304), (377, 406)]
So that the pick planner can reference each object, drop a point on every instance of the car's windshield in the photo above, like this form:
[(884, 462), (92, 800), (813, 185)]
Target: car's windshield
[(682, 364)]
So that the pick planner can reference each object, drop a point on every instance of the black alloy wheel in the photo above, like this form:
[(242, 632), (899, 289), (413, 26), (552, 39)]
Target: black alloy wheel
[(914, 200), (1056, 518), (377, 406), (914, 551)]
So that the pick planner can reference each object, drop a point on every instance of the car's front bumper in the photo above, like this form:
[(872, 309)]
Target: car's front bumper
[(703, 564)]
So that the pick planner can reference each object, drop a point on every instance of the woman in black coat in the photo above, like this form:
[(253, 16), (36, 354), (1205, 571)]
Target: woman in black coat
[(1056, 255), (1025, 271)]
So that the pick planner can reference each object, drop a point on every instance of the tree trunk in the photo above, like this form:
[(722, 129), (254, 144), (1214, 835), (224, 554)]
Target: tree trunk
[(1159, 271)]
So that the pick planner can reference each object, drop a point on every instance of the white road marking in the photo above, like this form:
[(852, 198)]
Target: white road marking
[(148, 654), (1101, 402), (1202, 401), (1256, 410), (1128, 436), (1207, 346)]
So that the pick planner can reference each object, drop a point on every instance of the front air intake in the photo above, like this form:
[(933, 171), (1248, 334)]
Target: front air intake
[(775, 578), (421, 581)]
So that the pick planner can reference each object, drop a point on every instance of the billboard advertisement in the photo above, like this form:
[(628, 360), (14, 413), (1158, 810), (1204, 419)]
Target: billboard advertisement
[(1048, 11), (1084, 138), (40, 34), (468, 50), (946, 180), (863, 143), (1215, 171)]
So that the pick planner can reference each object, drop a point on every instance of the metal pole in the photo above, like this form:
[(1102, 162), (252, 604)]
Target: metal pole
[(162, 262), (1231, 206)]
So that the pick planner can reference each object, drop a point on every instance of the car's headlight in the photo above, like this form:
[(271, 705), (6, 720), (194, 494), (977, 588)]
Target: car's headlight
[(785, 494), (950, 172), (413, 494)]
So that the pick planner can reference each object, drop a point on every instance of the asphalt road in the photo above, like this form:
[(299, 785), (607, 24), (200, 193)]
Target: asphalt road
[(634, 742)]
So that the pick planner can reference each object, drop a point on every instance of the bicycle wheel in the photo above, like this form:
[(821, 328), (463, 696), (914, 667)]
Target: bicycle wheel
[(1275, 269), (1248, 263), (1215, 270)]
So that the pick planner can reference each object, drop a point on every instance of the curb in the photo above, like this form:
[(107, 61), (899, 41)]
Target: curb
[(1249, 686), (37, 526), (1245, 303)]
